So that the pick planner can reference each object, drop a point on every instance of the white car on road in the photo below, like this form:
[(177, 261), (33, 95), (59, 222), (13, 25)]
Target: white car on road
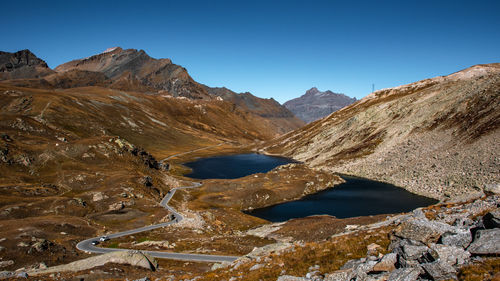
[(104, 238)]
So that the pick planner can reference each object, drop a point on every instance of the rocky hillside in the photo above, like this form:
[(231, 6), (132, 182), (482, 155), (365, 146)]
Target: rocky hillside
[(314, 104), (134, 70), (266, 108), (22, 64), (458, 241), (82, 161), (131, 65), (437, 137)]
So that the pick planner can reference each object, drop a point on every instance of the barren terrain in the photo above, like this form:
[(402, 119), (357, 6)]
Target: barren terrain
[(436, 137), (81, 151)]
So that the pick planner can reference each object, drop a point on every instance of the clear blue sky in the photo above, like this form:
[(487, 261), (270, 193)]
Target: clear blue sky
[(271, 48)]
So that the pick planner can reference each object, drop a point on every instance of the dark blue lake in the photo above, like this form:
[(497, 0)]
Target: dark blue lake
[(355, 197), (233, 166)]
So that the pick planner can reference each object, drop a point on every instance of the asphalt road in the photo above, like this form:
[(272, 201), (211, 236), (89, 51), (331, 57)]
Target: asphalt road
[(86, 245)]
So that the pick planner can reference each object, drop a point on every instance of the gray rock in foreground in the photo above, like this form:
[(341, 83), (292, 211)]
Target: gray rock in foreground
[(451, 255), (423, 230), (460, 238), (405, 274), (486, 242), (440, 270)]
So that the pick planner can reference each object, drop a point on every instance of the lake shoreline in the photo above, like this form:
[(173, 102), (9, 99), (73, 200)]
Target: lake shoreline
[(243, 167), (411, 201)]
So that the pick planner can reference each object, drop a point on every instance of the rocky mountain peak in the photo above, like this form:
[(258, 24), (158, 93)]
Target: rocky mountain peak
[(22, 64), (315, 104), (312, 91), (151, 73), (113, 50), (11, 61)]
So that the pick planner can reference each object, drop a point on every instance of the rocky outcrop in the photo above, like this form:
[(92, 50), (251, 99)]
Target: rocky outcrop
[(437, 137), (314, 105), (141, 153), (22, 64), (134, 258), (427, 249), (486, 242)]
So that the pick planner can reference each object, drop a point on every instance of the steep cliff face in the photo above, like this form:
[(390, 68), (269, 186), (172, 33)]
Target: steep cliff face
[(437, 137), (22, 64), (315, 104)]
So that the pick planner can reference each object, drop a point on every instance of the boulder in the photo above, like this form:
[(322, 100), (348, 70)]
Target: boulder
[(352, 263), (134, 258), (440, 270), (6, 263), (98, 196), (405, 274), (22, 275), (339, 275), (146, 181), (412, 255), (411, 252), (423, 230), (42, 265), (361, 270), (164, 166), (6, 274), (41, 245), (486, 242), (220, 265), (358, 268), (387, 263), (459, 238), (116, 206), (451, 255), (378, 277), (256, 266), (373, 249)]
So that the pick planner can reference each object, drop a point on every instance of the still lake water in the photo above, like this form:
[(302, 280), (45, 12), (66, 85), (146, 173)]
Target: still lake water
[(234, 166), (355, 197)]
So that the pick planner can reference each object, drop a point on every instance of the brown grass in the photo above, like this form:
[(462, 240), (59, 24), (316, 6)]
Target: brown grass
[(488, 269), (329, 255)]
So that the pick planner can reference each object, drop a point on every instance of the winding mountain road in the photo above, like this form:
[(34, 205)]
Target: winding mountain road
[(86, 245)]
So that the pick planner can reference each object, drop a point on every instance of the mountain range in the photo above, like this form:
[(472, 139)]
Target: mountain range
[(315, 104), (134, 70), (92, 146)]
